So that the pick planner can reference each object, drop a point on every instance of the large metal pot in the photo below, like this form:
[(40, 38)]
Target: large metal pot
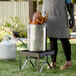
[(37, 37)]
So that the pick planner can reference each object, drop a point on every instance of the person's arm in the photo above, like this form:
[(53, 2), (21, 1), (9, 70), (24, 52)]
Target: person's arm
[(70, 8)]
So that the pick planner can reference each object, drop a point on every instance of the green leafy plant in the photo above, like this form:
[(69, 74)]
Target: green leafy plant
[(7, 25), (74, 1), (70, 32), (4, 31), (17, 26), (23, 34), (40, 2)]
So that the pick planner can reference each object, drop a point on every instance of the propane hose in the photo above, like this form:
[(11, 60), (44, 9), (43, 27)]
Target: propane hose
[(22, 43)]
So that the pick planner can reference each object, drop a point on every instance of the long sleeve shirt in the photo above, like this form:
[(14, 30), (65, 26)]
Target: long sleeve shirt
[(67, 1)]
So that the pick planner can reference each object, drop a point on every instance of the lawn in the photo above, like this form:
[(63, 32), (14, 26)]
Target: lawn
[(11, 68)]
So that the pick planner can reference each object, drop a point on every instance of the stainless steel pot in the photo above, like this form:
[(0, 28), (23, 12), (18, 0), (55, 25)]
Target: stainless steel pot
[(37, 37)]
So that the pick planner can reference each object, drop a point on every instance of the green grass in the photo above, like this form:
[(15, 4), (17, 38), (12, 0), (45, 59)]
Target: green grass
[(11, 68)]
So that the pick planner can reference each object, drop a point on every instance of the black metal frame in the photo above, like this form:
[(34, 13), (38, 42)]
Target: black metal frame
[(37, 56)]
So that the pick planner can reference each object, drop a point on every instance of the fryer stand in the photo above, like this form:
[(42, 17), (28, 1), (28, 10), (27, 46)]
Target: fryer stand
[(37, 56)]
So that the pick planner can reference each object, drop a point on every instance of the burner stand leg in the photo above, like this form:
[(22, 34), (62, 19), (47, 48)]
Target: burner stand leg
[(48, 62)]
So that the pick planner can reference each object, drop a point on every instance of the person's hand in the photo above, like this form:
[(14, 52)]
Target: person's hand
[(71, 22)]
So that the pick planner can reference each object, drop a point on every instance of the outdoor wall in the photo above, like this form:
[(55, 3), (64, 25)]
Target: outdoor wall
[(22, 9)]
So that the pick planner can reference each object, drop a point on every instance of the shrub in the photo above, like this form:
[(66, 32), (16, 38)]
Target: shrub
[(4, 31), (40, 2), (74, 1)]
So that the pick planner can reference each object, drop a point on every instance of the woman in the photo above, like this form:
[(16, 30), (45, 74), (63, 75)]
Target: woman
[(58, 27)]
